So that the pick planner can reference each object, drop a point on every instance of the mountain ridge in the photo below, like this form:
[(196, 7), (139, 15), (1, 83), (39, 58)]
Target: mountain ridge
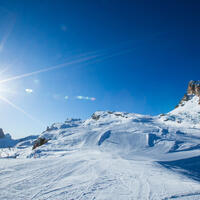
[(161, 128), (111, 155)]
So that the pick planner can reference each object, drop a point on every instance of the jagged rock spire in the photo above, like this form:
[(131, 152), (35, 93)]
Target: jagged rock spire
[(194, 88)]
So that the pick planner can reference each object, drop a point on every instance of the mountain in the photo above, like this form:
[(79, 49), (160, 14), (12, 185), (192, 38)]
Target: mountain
[(12, 148), (112, 155), (2, 135)]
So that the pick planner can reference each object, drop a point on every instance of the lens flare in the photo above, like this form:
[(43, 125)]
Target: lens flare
[(86, 58)]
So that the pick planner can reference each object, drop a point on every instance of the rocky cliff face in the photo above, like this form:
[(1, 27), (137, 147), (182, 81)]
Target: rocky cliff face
[(193, 89)]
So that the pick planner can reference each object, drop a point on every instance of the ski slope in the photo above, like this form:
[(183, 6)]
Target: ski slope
[(110, 156)]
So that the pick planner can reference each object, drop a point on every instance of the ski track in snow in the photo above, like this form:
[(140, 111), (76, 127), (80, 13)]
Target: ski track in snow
[(96, 175), (112, 156)]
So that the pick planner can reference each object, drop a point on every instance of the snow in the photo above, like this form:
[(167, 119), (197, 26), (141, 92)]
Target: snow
[(112, 155), (187, 114), (91, 175)]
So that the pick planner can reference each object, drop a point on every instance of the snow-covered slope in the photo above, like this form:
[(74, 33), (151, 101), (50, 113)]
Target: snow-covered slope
[(112, 155), (186, 114), (10, 148)]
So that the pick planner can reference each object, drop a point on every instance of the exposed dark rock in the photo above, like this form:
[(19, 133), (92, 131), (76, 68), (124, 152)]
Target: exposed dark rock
[(193, 89), (185, 98), (2, 135), (39, 142), (51, 128), (48, 128), (162, 114), (119, 115), (95, 116)]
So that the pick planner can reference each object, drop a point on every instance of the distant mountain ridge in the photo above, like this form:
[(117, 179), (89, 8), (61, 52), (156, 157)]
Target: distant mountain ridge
[(111, 155), (94, 131)]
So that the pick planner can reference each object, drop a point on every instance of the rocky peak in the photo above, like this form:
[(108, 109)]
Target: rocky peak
[(2, 135), (194, 88)]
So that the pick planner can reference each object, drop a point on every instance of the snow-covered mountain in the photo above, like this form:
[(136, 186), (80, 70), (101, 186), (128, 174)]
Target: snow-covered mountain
[(112, 155)]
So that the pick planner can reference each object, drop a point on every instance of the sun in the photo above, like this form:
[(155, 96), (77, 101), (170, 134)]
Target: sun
[(5, 89), (3, 97), (86, 58)]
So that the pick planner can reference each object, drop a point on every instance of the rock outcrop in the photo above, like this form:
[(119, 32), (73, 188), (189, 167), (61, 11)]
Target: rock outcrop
[(2, 135), (96, 116), (39, 142), (193, 89)]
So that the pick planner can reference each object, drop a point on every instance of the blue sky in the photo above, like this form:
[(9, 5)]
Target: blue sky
[(132, 56)]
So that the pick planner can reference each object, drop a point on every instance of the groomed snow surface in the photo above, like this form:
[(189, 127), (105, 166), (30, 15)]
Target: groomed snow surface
[(111, 156)]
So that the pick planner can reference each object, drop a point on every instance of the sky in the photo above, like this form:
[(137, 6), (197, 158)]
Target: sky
[(67, 59)]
